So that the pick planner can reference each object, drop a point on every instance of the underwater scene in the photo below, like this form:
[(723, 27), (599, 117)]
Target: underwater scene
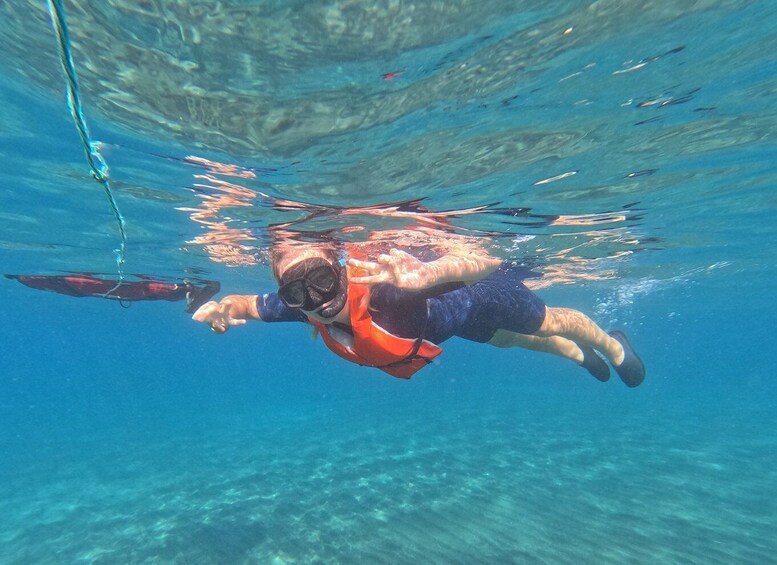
[(512, 249)]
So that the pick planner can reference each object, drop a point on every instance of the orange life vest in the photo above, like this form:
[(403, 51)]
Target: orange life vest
[(371, 345)]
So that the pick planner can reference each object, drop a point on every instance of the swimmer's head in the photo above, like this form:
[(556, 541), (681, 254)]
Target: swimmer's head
[(310, 277)]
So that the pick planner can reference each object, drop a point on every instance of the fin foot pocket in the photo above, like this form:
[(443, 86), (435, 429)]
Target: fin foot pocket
[(594, 364), (632, 370)]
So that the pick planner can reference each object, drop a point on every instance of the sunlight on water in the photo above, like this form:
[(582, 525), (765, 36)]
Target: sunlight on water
[(556, 117)]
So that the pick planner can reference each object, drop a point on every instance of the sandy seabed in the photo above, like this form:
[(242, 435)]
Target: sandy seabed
[(405, 486)]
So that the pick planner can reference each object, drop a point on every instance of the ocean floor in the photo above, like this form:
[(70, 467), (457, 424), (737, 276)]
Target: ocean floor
[(403, 485)]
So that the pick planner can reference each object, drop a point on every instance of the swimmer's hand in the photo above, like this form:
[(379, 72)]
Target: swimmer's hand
[(232, 310), (397, 268), (405, 271)]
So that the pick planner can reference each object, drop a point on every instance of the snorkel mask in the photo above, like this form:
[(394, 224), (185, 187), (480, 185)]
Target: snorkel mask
[(315, 285)]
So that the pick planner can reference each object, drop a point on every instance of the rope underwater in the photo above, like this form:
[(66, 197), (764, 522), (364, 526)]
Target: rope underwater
[(97, 165)]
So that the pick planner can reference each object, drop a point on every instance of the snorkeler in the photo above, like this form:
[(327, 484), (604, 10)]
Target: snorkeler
[(394, 312)]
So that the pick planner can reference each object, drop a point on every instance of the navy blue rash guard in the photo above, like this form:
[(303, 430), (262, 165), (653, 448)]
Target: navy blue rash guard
[(474, 312)]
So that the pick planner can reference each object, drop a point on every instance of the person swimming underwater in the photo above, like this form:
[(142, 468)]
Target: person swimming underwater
[(393, 312)]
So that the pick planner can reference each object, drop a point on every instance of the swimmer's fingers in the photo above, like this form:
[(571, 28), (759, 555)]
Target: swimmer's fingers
[(225, 312), (369, 266), (382, 277), (222, 326), (375, 272), (401, 255), (395, 267), (211, 313), (399, 260), (217, 315), (205, 312), (405, 269)]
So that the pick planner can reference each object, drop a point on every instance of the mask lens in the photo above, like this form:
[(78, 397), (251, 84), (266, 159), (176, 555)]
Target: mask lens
[(293, 294), (322, 278)]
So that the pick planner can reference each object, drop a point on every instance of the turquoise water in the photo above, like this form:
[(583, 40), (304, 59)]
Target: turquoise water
[(625, 150)]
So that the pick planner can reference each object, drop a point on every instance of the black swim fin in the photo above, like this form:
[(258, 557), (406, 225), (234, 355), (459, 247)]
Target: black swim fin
[(594, 364), (632, 370)]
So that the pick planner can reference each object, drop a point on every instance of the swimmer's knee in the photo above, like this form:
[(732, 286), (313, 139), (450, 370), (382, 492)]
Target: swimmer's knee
[(549, 325), (502, 338)]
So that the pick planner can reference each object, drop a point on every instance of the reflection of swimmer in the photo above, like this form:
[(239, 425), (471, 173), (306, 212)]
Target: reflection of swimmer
[(392, 311)]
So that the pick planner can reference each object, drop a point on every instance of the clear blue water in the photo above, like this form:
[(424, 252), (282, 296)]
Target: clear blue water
[(134, 435)]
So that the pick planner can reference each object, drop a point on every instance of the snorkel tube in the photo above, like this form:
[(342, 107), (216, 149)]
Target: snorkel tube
[(334, 306)]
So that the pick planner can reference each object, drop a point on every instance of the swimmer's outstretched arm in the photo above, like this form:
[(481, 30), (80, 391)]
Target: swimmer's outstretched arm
[(232, 310), (405, 271)]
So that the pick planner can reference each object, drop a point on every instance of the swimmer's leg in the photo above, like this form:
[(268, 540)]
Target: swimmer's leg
[(582, 355), (555, 345), (578, 327)]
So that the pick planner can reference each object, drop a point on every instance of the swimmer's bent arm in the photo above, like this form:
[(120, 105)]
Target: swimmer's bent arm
[(452, 268), (232, 310), (405, 271)]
